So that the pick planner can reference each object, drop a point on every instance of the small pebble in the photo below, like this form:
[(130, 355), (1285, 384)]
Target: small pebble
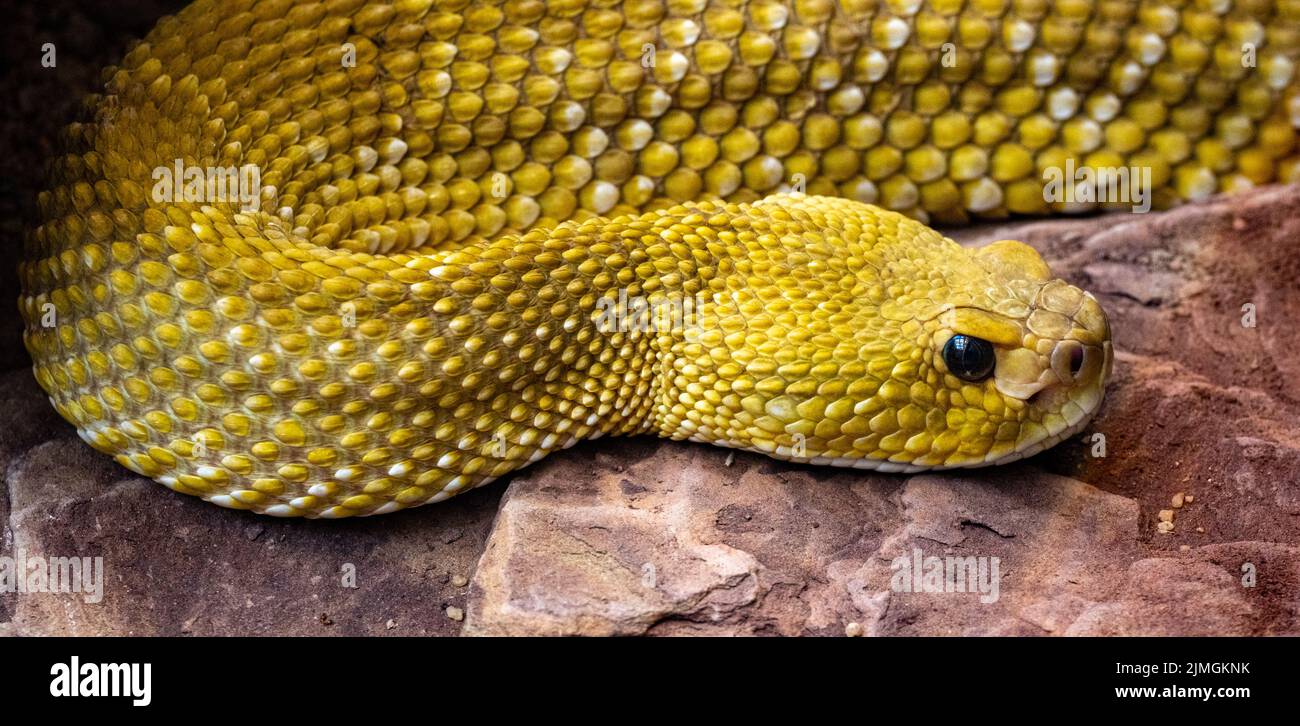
[(459, 581), (1188, 499), (853, 630), (1184, 548), (731, 458), (1178, 500), (391, 624), (455, 613), (1201, 530), (1167, 515), (1165, 527)]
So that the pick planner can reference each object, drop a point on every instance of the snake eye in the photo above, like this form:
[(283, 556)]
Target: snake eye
[(970, 359)]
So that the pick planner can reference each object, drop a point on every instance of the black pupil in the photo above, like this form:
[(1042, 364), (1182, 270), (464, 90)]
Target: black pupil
[(970, 359)]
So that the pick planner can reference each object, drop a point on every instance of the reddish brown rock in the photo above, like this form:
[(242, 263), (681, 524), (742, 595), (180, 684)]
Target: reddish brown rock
[(677, 542), (1058, 545), (1238, 588), (663, 537)]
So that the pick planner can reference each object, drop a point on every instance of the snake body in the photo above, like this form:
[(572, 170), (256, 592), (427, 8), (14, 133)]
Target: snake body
[(457, 195)]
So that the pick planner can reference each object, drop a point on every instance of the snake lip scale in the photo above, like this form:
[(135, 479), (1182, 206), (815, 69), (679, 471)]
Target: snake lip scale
[(453, 191)]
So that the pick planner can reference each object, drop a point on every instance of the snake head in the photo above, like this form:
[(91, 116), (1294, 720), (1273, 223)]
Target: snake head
[(1034, 351), (866, 339)]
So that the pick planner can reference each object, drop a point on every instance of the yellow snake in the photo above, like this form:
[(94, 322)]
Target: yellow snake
[(474, 215)]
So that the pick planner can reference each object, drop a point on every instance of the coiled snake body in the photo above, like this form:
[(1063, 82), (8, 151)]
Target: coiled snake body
[(463, 205)]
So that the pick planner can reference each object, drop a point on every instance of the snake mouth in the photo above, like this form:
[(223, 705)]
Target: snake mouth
[(1067, 366), (1074, 401), (1070, 364)]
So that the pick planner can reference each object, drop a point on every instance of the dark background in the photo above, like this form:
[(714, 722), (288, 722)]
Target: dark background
[(88, 35)]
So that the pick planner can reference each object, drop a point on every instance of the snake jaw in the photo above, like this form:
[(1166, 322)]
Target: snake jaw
[(1024, 374), (1072, 374), (1079, 408)]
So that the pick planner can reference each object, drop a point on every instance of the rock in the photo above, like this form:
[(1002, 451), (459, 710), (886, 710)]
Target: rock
[(663, 537), (1239, 588), (765, 547), (1163, 596), (703, 553), (175, 565), (1058, 545)]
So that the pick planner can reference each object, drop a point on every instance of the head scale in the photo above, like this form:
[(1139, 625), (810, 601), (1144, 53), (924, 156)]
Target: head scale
[(1028, 352)]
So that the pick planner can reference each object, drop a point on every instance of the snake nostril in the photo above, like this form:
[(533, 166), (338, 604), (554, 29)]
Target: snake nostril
[(1076, 360)]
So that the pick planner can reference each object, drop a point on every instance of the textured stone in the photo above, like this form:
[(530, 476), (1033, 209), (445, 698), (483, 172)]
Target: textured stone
[(663, 537), (761, 547)]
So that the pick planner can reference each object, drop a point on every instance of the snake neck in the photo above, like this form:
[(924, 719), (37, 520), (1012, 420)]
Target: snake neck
[(591, 325)]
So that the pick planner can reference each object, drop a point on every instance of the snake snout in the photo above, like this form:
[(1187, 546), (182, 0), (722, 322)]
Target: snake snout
[(1083, 357), (1079, 372), (1090, 353)]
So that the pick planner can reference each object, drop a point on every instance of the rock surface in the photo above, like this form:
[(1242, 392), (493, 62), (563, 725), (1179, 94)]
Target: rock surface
[(643, 536), (667, 539)]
